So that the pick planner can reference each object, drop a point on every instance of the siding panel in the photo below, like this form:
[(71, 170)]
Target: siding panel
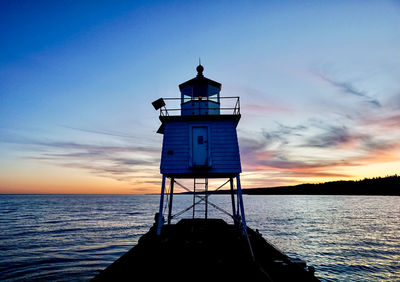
[(223, 146)]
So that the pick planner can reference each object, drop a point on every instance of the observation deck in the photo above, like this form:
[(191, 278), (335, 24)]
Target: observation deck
[(200, 106)]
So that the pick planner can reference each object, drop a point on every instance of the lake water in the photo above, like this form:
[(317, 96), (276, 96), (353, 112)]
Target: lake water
[(72, 237)]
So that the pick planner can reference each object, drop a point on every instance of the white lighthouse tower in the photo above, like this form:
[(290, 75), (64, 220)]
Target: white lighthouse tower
[(200, 142)]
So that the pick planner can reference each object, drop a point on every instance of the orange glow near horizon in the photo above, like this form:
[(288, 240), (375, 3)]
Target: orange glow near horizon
[(45, 179), (34, 176), (67, 183), (88, 186)]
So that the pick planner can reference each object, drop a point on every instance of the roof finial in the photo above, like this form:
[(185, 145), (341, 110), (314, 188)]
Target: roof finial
[(200, 69)]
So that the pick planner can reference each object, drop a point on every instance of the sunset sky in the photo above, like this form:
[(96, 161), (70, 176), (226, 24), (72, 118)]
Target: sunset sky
[(319, 83)]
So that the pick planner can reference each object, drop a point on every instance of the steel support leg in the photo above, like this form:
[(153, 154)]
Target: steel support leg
[(194, 197), (206, 197), (244, 226), (233, 199), (171, 194), (160, 211), (241, 205)]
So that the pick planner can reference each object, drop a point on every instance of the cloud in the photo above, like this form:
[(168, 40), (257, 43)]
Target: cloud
[(267, 107), (282, 132), (277, 138), (318, 148), (334, 136), (348, 88), (257, 101), (386, 122), (101, 132), (122, 163), (250, 145)]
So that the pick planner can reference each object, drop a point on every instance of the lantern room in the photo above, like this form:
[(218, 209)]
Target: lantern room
[(200, 95)]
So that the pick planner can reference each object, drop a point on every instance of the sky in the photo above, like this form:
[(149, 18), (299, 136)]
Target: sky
[(318, 82)]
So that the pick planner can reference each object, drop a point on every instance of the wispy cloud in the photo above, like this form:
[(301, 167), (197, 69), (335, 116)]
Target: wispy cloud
[(282, 134), (123, 163), (337, 136), (334, 136), (101, 132), (347, 87), (386, 122), (266, 108), (318, 148)]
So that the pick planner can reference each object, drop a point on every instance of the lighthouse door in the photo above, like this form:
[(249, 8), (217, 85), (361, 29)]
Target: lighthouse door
[(200, 146)]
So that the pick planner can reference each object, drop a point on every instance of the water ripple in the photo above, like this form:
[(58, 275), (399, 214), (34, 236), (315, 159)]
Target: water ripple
[(72, 237)]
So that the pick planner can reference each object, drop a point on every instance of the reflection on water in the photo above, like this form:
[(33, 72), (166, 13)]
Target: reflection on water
[(344, 237), (71, 237)]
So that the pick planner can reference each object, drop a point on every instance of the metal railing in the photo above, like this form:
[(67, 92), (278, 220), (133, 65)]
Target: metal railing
[(227, 106)]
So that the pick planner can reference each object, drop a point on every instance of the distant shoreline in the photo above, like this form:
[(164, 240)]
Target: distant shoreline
[(378, 186)]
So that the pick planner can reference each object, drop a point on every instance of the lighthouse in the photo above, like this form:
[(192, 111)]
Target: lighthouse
[(200, 142)]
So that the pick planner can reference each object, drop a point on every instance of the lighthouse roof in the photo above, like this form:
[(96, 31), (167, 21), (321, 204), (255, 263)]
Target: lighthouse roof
[(200, 82)]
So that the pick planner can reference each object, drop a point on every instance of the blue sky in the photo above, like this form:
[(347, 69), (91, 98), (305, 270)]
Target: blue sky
[(318, 81)]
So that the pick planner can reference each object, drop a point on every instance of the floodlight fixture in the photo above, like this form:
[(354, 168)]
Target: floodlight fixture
[(158, 104)]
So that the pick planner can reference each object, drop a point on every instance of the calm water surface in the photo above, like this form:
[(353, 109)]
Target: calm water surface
[(72, 237)]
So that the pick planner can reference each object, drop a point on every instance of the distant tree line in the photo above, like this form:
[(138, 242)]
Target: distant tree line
[(389, 185)]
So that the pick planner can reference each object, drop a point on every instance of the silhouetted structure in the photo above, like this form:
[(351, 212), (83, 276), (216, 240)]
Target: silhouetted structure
[(208, 250), (199, 144)]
